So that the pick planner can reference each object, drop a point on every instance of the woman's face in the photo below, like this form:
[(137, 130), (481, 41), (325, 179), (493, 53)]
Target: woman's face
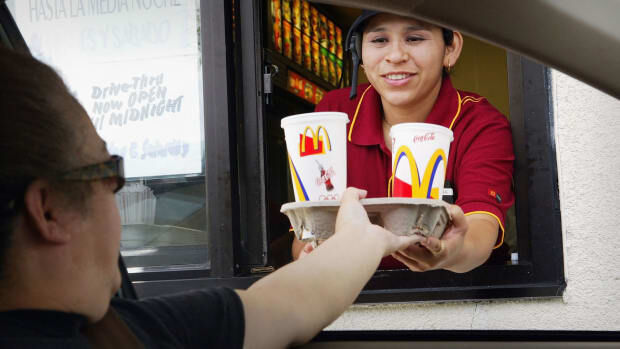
[(403, 59)]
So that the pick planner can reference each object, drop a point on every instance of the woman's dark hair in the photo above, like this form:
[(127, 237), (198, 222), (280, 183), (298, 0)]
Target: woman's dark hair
[(448, 36), (39, 136)]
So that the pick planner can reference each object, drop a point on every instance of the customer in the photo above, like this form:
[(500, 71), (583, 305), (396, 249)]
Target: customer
[(60, 236)]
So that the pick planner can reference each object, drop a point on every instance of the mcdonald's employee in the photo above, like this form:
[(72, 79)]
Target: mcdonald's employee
[(407, 63)]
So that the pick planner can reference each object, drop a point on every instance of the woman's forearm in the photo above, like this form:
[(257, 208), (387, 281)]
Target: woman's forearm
[(478, 244)]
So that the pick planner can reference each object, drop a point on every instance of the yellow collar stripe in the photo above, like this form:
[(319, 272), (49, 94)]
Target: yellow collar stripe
[(359, 104), (461, 103), (458, 109)]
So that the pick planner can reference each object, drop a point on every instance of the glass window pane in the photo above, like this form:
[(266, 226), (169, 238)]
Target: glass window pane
[(136, 68)]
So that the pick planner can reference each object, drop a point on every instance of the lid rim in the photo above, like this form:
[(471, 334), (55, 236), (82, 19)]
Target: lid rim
[(300, 118), (421, 125)]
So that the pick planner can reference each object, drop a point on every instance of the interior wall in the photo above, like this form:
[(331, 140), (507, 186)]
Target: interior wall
[(587, 124), (482, 68)]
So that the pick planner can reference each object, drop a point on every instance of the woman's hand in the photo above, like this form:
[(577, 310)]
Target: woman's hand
[(433, 253), (305, 250)]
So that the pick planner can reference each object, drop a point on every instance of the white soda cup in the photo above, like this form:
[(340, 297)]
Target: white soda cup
[(317, 154), (419, 160)]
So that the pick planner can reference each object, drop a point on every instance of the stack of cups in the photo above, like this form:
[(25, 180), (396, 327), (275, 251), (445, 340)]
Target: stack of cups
[(419, 160)]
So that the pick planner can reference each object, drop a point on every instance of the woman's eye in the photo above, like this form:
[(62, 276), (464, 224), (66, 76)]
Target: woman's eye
[(378, 40), (414, 38)]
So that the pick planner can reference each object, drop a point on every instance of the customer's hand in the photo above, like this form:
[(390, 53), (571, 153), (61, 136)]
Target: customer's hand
[(351, 214), (353, 219)]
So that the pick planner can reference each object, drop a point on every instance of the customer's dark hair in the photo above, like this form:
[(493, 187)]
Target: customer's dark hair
[(38, 136)]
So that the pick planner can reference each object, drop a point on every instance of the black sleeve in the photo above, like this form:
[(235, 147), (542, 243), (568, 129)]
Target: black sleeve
[(210, 318)]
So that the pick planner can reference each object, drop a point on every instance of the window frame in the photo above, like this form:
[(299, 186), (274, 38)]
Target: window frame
[(10, 36), (540, 269)]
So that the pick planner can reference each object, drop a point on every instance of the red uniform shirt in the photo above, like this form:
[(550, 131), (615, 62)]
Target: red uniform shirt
[(480, 161)]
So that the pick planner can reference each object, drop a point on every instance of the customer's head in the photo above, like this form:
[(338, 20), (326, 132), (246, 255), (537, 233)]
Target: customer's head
[(52, 216)]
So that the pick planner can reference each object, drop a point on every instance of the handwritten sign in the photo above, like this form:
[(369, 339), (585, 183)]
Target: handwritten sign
[(134, 65), (148, 114)]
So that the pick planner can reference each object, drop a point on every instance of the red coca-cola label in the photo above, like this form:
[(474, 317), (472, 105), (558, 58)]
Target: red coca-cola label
[(325, 178), (430, 136)]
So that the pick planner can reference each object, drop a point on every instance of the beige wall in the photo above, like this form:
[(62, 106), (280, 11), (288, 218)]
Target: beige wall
[(587, 125)]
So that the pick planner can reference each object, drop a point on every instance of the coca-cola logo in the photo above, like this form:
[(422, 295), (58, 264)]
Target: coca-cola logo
[(430, 136), (325, 176)]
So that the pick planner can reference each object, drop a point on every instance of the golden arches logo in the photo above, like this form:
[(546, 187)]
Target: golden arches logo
[(317, 141), (420, 187)]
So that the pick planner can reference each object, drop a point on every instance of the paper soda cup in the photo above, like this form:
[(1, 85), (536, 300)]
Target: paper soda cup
[(317, 154), (419, 160)]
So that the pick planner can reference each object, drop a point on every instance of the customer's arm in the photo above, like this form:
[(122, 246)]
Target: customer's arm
[(294, 303)]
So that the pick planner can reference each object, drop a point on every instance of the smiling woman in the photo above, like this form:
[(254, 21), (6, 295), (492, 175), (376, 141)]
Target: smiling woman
[(407, 63)]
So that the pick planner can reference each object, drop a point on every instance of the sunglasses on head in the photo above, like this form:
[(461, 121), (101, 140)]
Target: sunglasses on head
[(112, 168)]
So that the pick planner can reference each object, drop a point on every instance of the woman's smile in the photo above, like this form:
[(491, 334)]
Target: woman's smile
[(397, 79)]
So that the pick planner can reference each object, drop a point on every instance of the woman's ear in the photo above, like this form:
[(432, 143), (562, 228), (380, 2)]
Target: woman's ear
[(453, 51), (44, 213)]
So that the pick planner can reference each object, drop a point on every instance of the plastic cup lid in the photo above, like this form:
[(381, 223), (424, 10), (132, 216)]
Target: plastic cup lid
[(313, 118)]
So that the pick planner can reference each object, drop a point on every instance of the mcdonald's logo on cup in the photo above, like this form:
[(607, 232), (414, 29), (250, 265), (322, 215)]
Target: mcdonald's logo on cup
[(317, 154), (316, 143), (419, 160)]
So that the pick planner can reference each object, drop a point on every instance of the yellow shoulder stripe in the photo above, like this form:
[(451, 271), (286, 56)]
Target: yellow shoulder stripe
[(472, 99)]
